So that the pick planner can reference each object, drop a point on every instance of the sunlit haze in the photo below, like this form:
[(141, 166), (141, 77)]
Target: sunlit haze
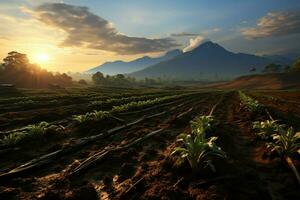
[(59, 41)]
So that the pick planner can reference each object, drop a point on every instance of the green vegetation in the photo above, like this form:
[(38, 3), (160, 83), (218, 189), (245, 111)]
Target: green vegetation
[(141, 104), (198, 149), (296, 66), (99, 115), (82, 118), (272, 68), (265, 130), (286, 142), (251, 104), (31, 132), (203, 124)]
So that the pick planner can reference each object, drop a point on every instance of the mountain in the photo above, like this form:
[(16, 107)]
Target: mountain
[(279, 59), (121, 67), (209, 61)]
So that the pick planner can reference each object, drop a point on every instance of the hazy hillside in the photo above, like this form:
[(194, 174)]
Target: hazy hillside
[(264, 81), (209, 61), (121, 67)]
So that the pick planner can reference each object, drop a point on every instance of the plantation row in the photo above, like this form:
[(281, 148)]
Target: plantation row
[(91, 101), (133, 105), (37, 131), (109, 103), (279, 138), (68, 100)]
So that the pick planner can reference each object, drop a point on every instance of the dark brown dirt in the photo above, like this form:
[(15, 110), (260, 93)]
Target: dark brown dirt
[(147, 171)]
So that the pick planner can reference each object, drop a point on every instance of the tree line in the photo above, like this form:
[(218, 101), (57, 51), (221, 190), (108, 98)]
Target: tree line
[(121, 80), (276, 68), (17, 70)]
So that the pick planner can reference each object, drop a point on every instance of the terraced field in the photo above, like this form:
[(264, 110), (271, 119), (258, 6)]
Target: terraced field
[(114, 143)]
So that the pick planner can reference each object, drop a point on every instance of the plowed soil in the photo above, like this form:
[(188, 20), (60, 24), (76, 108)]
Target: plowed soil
[(146, 170)]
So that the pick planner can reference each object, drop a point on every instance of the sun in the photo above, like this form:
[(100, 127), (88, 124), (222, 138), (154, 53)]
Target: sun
[(41, 58)]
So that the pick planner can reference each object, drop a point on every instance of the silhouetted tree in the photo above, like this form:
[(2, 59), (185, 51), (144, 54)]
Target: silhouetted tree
[(82, 82), (287, 68), (16, 69), (272, 68), (296, 66), (98, 78)]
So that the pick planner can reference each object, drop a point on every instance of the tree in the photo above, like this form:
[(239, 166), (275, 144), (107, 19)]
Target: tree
[(82, 82), (296, 66), (272, 68), (287, 68), (16, 59), (98, 78), (16, 69)]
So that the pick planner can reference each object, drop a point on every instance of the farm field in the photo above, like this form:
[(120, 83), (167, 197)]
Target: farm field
[(117, 143)]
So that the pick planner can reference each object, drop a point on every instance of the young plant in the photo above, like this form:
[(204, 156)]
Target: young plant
[(37, 129), (202, 124), (13, 138), (100, 115), (198, 150), (82, 118), (287, 143), (31, 132), (251, 104), (266, 129)]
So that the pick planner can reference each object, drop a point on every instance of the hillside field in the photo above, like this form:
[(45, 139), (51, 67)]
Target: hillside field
[(116, 143)]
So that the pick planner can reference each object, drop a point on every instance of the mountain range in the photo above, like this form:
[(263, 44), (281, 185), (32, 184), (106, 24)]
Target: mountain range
[(207, 62), (121, 67)]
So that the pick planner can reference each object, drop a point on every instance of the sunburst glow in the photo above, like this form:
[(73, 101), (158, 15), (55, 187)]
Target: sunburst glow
[(41, 58)]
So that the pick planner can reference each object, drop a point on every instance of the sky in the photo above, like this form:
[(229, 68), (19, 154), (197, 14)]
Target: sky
[(76, 35)]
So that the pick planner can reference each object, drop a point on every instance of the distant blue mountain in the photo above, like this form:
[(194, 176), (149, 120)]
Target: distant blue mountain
[(209, 61), (121, 67)]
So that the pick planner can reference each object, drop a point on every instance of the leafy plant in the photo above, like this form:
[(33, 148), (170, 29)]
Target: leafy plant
[(13, 138), (31, 131), (202, 124), (100, 115), (82, 118), (251, 104), (287, 143), (37, 129), (198, 150), (265, 130)]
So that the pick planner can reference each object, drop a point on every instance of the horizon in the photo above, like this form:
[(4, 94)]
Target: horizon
[(110, 31)]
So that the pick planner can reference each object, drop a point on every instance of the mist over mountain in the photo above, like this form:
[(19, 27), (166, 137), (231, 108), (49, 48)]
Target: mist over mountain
[(209, 61), (121, 67)]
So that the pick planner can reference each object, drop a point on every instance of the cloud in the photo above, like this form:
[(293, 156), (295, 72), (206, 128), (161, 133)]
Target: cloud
[(274, 24), (85, 29), (194, 42), (215, 30), (204, 32), (183, 34)]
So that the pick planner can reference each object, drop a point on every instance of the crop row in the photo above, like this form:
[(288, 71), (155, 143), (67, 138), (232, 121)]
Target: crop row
[(100, 115), (251, 104), (73, 96), (30, 131), (280, 139)]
